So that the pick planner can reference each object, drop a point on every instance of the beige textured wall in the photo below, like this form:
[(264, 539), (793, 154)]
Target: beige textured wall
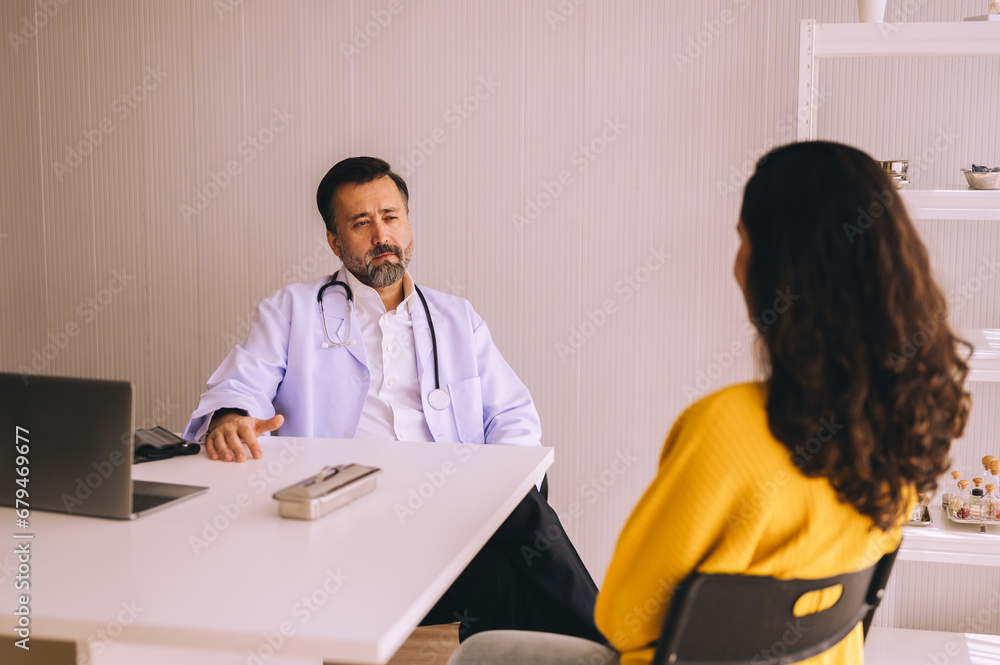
[(575, 169)]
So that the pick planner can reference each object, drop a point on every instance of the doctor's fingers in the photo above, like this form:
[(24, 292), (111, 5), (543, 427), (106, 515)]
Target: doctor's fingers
[(269, 425), (220, 439), (225, 443), (215, 445), (210, 446), (248, 432), (232, 446)]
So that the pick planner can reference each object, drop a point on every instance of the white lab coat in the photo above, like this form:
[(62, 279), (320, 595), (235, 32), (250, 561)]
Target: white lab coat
[(283, 368)]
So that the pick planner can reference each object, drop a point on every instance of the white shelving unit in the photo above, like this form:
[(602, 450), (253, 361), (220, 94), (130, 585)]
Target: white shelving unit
[(946, 542), (901, 40), (952, 203), (985, 362), (897, 40)]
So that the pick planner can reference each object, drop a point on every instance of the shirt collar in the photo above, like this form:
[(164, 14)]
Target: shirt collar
[(361, 290)]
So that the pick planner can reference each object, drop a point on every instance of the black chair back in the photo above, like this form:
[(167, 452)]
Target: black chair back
[(744, 620)]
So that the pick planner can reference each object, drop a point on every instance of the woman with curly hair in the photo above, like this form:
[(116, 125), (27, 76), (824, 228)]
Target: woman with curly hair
[(811, 472)]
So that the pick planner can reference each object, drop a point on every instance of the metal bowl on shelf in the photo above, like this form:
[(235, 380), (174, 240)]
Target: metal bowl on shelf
[(982, 179), (896, 170), (895, 166)]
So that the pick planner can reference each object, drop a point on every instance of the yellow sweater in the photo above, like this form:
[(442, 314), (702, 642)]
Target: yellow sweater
[(728, 499)]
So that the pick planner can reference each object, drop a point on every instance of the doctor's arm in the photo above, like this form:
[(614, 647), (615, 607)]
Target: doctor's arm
[(237, 406), (509, 414)]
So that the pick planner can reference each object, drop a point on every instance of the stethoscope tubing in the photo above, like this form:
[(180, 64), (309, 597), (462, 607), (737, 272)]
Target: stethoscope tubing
[(434, 399), (434, 342)]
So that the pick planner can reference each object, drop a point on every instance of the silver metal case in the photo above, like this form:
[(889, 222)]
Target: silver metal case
[(329, 489)]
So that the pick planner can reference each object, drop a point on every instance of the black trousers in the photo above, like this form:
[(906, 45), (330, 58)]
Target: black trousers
[(528, 576)]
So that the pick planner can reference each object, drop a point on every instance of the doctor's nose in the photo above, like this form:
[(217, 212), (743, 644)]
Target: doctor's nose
[(380, 233)]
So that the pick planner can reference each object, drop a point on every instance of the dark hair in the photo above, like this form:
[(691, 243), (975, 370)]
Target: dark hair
[(356, 170), (866, 343)]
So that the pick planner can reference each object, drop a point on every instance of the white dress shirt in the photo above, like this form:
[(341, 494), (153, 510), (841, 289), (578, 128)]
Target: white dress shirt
[(393, 409)]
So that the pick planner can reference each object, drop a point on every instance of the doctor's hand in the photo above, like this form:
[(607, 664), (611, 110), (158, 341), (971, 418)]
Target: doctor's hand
[(229, 432)]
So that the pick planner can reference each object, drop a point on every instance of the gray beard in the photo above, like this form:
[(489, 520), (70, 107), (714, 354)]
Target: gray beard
[(381, 276)]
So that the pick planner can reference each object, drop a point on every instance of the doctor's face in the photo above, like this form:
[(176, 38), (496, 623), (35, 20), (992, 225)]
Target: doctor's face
[(373, 236)]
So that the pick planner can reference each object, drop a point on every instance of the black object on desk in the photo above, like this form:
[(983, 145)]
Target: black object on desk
[(160, 443)]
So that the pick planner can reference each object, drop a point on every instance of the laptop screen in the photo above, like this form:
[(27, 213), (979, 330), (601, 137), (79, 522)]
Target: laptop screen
[(79, 436)]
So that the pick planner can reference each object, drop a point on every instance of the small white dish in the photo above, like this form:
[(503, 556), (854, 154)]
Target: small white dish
[(982, 179)]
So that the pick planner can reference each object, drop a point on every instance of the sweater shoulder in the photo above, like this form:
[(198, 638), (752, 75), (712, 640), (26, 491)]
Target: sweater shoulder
[(730, 405), (727, 424)]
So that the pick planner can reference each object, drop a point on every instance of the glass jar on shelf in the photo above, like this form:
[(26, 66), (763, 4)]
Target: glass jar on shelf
[(961, 502), (984, 470), (993, 477), (991, 503), (917, 514), (946, 496), (977, 494)]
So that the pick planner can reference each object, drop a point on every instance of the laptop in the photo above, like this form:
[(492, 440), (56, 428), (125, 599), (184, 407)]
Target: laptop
[(79, 436)]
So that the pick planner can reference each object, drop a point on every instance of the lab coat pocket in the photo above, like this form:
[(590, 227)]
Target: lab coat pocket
[(467, 405)]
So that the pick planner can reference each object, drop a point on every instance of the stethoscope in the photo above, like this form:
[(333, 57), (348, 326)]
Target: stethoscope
[(439, 398)]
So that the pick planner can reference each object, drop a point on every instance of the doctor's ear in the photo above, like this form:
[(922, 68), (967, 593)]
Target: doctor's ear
[(334, 241)]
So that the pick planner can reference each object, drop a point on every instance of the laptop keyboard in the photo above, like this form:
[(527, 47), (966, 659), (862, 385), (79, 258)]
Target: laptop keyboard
[(141, 502)]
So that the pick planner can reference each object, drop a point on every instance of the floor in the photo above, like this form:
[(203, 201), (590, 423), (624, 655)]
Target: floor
[(428, 645)]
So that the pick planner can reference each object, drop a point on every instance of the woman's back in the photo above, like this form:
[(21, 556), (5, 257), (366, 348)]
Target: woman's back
[(729, 498), (810, 473)]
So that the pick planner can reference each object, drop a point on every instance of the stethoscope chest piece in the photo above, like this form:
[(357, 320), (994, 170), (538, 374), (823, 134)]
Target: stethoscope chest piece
[(439, 399)]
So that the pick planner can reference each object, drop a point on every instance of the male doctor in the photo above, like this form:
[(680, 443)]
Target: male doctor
[(352, 356)]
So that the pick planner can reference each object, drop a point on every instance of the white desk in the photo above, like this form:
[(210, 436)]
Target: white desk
[(223, 572)]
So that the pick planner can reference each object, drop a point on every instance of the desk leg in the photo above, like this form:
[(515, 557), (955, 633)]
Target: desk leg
[(122, 653)]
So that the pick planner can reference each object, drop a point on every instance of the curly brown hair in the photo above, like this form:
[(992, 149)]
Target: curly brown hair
[(866, 343)]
